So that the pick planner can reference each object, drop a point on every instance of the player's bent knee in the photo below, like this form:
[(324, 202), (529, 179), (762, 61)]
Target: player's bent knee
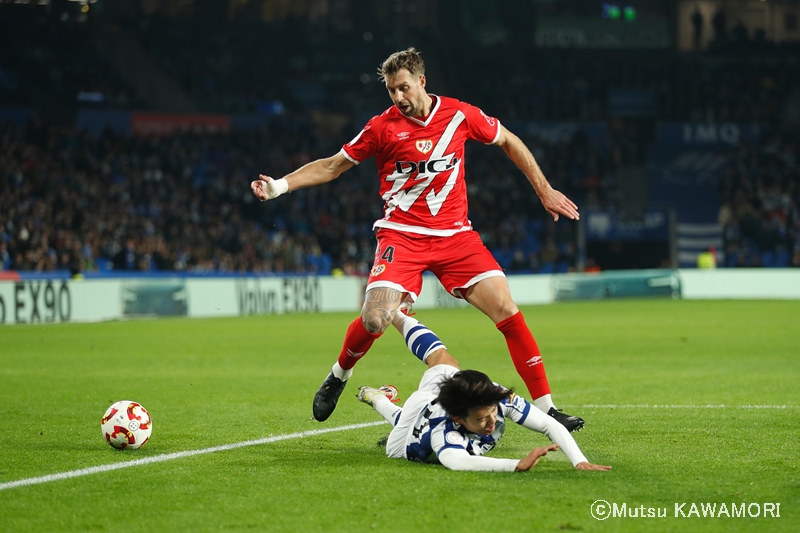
[(374, 323), (501, 311), (504, 307), (508, 309)]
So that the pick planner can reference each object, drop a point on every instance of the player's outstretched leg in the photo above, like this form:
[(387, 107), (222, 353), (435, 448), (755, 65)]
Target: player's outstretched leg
[(367, 394), (327, 396), (493, 297), (528, 361), (380, 307), (357, 341), (382, 400)]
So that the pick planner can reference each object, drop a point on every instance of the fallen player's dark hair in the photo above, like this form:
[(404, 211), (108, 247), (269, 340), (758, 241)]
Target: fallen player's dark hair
[(467, 390)]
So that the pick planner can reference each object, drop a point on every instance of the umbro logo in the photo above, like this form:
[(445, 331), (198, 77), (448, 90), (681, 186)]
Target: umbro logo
[(351, 353), (535, 360), (403, 135)]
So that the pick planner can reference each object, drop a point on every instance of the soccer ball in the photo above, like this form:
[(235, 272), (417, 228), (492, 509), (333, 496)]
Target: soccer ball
[(126, 424)]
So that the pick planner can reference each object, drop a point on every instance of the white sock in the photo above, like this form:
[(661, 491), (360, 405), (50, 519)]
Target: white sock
[(389, 411), (340, 372), (544, 403)]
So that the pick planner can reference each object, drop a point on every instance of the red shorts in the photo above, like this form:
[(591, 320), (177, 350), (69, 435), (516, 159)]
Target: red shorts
[(459, 261)]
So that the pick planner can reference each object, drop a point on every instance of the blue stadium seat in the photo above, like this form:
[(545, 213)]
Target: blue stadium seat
[(533, 226), (325, 265), (313, 262), (104, 264), (532, 243), (503, 257)]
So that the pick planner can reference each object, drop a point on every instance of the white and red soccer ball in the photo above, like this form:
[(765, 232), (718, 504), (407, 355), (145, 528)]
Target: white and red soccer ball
[(126, 424)]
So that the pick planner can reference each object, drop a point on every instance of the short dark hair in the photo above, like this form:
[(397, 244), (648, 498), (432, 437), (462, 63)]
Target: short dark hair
[(408, 59), (467, 390)]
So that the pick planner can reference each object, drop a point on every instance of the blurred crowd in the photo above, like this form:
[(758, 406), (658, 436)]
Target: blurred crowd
[(760, 212), (182, 202), (77, 202), (72, 201)]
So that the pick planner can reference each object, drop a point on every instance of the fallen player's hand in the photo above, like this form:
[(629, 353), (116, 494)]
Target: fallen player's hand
[(530, 461), (266, 188), (589, 466)]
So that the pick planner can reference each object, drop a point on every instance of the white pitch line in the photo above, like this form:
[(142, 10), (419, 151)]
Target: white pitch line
[(671, 406), (176, 455)]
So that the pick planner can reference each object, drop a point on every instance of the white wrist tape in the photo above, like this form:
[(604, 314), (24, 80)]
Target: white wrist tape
[(275, 188)]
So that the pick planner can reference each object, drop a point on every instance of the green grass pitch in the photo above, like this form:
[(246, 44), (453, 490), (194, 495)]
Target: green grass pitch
[(643, 374)]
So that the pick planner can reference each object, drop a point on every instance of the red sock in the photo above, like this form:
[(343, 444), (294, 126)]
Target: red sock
[(357, 342), (525, 354)]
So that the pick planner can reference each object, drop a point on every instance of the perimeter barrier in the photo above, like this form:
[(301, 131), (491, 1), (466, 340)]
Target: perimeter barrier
[(30, 298)]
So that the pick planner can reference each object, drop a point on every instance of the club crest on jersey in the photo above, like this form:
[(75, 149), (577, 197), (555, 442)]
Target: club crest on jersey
[(425, 146), (377, 270), (453, 437)]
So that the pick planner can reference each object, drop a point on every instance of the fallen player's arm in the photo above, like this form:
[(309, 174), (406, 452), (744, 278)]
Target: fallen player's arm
[(589, 466), (532, 458), (557, 433), (538, 421), (460, 459)]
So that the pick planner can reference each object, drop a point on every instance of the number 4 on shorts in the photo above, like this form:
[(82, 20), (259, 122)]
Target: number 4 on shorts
[(388, 254)]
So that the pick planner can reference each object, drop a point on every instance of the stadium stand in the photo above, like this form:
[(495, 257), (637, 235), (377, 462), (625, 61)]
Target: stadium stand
[(81, 202), (54, 66), (759, 214)]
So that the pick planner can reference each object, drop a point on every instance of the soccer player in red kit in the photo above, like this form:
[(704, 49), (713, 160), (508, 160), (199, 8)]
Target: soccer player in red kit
[(418, 144)]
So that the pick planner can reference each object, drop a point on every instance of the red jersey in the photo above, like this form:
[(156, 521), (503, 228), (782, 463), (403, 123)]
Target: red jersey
[(421, 164)]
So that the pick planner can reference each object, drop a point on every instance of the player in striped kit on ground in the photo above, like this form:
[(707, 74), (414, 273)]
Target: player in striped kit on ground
[(455, 416)]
